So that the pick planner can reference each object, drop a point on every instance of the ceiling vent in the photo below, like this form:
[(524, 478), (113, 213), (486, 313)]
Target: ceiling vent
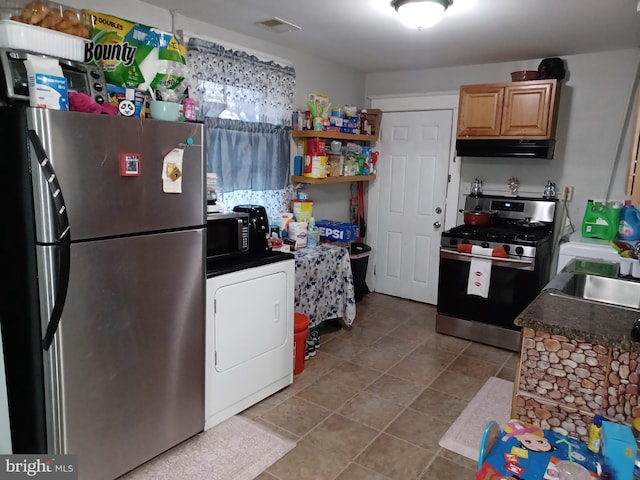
[(278, 25)]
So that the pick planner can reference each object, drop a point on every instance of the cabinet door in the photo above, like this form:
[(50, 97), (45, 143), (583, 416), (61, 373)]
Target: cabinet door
[(528, 110), (480, 110)]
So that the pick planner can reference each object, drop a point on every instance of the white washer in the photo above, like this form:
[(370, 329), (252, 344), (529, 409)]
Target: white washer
[(584, 247), (249, 338)]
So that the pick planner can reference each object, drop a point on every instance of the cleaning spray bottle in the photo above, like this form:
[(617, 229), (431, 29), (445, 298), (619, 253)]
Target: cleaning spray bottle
[(629, 226)]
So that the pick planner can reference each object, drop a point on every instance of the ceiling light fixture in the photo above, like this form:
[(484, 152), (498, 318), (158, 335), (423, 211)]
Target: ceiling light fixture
[(420, 13)]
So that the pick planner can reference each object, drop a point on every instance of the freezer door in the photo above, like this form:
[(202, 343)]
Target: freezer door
[(126, 368), (92, 155)]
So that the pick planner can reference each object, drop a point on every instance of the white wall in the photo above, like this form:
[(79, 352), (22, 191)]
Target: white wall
[(313, 75), (592, 118)]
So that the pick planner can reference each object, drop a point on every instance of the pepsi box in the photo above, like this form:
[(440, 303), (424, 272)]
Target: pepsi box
[(332, 231)]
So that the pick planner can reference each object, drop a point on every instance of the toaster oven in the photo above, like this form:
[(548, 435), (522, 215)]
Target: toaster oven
[(82, 78)]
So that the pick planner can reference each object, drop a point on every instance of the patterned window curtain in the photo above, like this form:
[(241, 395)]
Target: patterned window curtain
[(246, 106)]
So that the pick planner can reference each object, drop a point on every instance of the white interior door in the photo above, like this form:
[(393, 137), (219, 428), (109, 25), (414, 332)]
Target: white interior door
[(412, 170)]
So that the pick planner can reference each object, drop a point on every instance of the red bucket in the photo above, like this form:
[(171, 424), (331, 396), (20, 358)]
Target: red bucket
[(300, 332)]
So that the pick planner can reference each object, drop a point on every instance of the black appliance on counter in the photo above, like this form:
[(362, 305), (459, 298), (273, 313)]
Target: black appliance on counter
[(524, 227), (227, 235), (258, 227)]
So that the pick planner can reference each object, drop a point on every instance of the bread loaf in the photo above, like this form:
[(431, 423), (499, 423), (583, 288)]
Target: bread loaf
[(53, 18), (34, 12)]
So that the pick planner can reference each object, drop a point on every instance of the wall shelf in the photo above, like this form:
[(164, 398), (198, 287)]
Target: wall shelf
[(341, 179), (333, 135)]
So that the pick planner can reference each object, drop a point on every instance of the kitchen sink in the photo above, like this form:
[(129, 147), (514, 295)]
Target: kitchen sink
[(618, 292)]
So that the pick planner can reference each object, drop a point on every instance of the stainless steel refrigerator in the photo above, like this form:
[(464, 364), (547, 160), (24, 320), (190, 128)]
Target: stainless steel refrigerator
[(103, 280)]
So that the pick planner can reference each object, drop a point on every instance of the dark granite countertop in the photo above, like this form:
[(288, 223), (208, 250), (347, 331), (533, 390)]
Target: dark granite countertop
[(582, 321)]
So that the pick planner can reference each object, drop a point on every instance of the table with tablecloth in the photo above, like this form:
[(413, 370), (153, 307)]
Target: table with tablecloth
[(324, 284)]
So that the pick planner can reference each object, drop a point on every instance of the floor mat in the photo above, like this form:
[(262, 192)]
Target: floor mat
[(492, 402), (236, 449)]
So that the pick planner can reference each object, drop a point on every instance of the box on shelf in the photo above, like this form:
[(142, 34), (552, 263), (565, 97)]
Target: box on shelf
[(333, 231), (374, 117), (302, 210)]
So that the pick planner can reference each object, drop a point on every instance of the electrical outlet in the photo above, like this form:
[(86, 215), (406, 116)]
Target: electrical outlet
[(567, 194), (466, 188)]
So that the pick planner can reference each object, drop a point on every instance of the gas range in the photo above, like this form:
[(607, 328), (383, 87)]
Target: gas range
[(521, 224), (524, 226)]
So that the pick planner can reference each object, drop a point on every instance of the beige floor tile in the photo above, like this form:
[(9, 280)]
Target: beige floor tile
[(458, 385), (443, 469), (458, 459), (321, 363), (382, 320), (377, 358), (363, 335), (296, 415), (308, 463), (434, 357), (439, 405), (473, 367), (507, 374), (395, 389), (447, 343), (512, 361), (354, 375), (395, 458), (371, 410), (328, 393), (343, 347), (487, 353), (418, 429), (396, 345), (415, 371), (413, 331), (358, 472), (340, 436)]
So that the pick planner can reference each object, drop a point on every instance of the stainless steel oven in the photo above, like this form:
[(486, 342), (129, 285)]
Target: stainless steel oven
[(522, 231)]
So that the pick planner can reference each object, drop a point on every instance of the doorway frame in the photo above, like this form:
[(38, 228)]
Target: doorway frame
[(413, 103)]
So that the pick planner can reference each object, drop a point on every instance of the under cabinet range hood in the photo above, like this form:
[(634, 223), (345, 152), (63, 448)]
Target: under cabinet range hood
[(506, 148)]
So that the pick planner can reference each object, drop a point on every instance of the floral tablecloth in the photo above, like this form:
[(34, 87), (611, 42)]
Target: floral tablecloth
[(324, 284)]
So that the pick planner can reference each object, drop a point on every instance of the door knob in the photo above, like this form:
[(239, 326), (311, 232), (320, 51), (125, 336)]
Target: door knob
[(437, 224), (438, 210)]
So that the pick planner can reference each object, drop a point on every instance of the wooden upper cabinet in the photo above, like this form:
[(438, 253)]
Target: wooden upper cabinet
[(480, 110), (524, 110)]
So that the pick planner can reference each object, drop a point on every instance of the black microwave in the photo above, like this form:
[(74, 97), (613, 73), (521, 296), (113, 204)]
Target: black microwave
[(227, 234), (14, 89)]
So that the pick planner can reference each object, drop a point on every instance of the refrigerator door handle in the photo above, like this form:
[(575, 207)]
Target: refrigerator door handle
[(61, 221)]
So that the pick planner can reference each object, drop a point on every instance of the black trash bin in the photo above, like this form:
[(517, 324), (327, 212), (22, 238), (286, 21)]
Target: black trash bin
[(359, 254)]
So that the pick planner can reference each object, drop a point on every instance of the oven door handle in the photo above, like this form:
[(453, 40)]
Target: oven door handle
[(503, 262)]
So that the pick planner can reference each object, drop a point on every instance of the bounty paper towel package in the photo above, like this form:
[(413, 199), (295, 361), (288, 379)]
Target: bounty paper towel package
[(134, 55)]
